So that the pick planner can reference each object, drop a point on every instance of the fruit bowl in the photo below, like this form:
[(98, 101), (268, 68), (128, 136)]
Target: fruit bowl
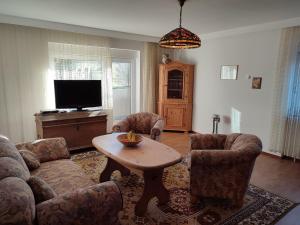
[(130, 139)]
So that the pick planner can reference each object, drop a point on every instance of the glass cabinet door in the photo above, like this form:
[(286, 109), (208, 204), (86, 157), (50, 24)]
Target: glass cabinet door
[(175, 84)]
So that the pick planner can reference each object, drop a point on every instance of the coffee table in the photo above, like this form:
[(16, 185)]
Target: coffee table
[(148, 159)]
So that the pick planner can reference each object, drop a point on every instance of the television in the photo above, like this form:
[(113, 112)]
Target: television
[(77, 94)]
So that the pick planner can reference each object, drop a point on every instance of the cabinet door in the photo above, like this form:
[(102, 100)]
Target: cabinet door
[(175, 85), (175, 116)]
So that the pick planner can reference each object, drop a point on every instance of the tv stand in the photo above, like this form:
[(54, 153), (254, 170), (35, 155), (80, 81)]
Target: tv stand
[(77, 127)]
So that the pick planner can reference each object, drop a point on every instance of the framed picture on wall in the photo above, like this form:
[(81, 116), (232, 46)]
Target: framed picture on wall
[(256, 82), (229, 72)]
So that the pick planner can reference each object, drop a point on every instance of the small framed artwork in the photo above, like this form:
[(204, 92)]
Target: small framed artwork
[(256, 82), (229, 72)]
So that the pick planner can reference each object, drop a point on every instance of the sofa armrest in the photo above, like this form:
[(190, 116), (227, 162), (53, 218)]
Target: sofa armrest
[(207, 141), (95, 205), (157, 129), (121, 126), (48, 149)]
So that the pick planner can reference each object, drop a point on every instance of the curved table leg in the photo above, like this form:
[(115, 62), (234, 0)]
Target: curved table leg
[(111, 166), (153, 188)]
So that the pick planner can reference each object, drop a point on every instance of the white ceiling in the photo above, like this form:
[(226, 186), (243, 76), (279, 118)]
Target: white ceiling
[(154, 17)]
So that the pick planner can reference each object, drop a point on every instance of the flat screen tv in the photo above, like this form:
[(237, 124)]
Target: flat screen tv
[(77, 94)]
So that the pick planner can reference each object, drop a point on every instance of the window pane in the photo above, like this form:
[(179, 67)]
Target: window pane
[(74, 69), (121, 74)]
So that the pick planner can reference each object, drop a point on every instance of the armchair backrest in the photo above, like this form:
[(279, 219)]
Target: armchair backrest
[(142, 122), (17, 200)]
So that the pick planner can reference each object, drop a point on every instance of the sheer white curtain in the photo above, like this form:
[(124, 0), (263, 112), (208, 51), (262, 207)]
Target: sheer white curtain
[(152, 55), (24, 74), (285, 137), (23, 68)]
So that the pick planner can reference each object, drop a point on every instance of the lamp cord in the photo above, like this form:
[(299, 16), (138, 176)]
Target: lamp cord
[(181, 3), (180, 16)]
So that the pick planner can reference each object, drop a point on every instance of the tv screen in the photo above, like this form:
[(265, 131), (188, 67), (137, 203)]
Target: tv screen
[(77, 93)]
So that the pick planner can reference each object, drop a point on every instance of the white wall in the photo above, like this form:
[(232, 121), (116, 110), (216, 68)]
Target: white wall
[(256, 54)]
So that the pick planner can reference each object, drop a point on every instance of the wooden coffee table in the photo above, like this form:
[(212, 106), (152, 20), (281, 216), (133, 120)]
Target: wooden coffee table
[(148, 159)]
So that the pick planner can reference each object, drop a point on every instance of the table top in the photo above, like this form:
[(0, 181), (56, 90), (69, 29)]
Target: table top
[(149, 154)]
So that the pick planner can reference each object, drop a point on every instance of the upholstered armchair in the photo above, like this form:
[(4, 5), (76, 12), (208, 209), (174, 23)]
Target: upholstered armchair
[(221, 166), (143, 123)]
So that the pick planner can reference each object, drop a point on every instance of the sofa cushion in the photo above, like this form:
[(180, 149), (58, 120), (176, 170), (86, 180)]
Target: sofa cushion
[(9, 167), (41, 190), (63, 176), (7, 149), (17, 202), (30, 159), (47, 149)]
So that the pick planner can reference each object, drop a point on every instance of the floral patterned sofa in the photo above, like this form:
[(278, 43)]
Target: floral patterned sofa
[(143, 123), (77, 199), (221, 165)]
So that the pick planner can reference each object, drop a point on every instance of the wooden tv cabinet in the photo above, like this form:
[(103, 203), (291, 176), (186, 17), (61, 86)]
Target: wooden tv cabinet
[(78, 128)]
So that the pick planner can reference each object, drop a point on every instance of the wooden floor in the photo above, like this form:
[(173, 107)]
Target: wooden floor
[(276, 175)]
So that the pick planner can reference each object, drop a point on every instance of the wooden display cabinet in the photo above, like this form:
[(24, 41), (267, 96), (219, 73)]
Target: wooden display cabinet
[(175, 102)]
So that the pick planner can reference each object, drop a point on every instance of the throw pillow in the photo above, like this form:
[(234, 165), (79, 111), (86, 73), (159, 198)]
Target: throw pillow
[(30, 159), (41, 190)]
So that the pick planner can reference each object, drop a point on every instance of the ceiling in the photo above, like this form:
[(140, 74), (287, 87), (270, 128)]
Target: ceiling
[(154, 17)]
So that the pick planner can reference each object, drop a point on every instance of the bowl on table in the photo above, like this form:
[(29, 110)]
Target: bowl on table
[(130, 140)]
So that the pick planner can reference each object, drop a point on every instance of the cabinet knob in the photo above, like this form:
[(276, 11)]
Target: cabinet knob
[(77, 127)]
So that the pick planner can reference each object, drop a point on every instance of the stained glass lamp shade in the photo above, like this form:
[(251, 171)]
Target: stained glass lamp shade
[(180, 37)]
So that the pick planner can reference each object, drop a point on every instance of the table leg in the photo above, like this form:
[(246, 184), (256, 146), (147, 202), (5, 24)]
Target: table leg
[(153, 188), (111, 166)]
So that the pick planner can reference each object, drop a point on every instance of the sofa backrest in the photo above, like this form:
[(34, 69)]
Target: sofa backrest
[(17, 200)]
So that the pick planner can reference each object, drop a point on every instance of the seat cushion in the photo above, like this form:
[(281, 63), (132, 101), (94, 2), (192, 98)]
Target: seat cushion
[(41, 190), (63, 176)]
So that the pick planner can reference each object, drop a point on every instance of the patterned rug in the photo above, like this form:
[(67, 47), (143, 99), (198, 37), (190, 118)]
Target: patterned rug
[(260, 207)]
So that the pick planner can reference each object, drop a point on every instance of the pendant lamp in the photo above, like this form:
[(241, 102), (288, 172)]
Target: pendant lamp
[(180, 37)]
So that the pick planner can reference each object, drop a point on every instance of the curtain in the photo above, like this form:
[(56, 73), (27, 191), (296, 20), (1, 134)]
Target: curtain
[(286, 112), (152, 55), (26, 70)]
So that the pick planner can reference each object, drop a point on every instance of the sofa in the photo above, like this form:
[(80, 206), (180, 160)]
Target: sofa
[(76, 198), (148, 124), (221, 166)]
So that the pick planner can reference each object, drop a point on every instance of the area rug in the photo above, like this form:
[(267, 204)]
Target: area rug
[(260, 207)]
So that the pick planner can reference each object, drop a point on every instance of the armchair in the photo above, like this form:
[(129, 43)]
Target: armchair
[(143, 123), (221, 165)]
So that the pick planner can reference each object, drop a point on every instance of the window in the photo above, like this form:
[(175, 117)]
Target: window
[(121, 79), (121, 73), (79, 62), (75, 69)]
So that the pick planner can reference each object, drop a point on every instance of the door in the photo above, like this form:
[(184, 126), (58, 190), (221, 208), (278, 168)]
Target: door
[(175, 115)]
